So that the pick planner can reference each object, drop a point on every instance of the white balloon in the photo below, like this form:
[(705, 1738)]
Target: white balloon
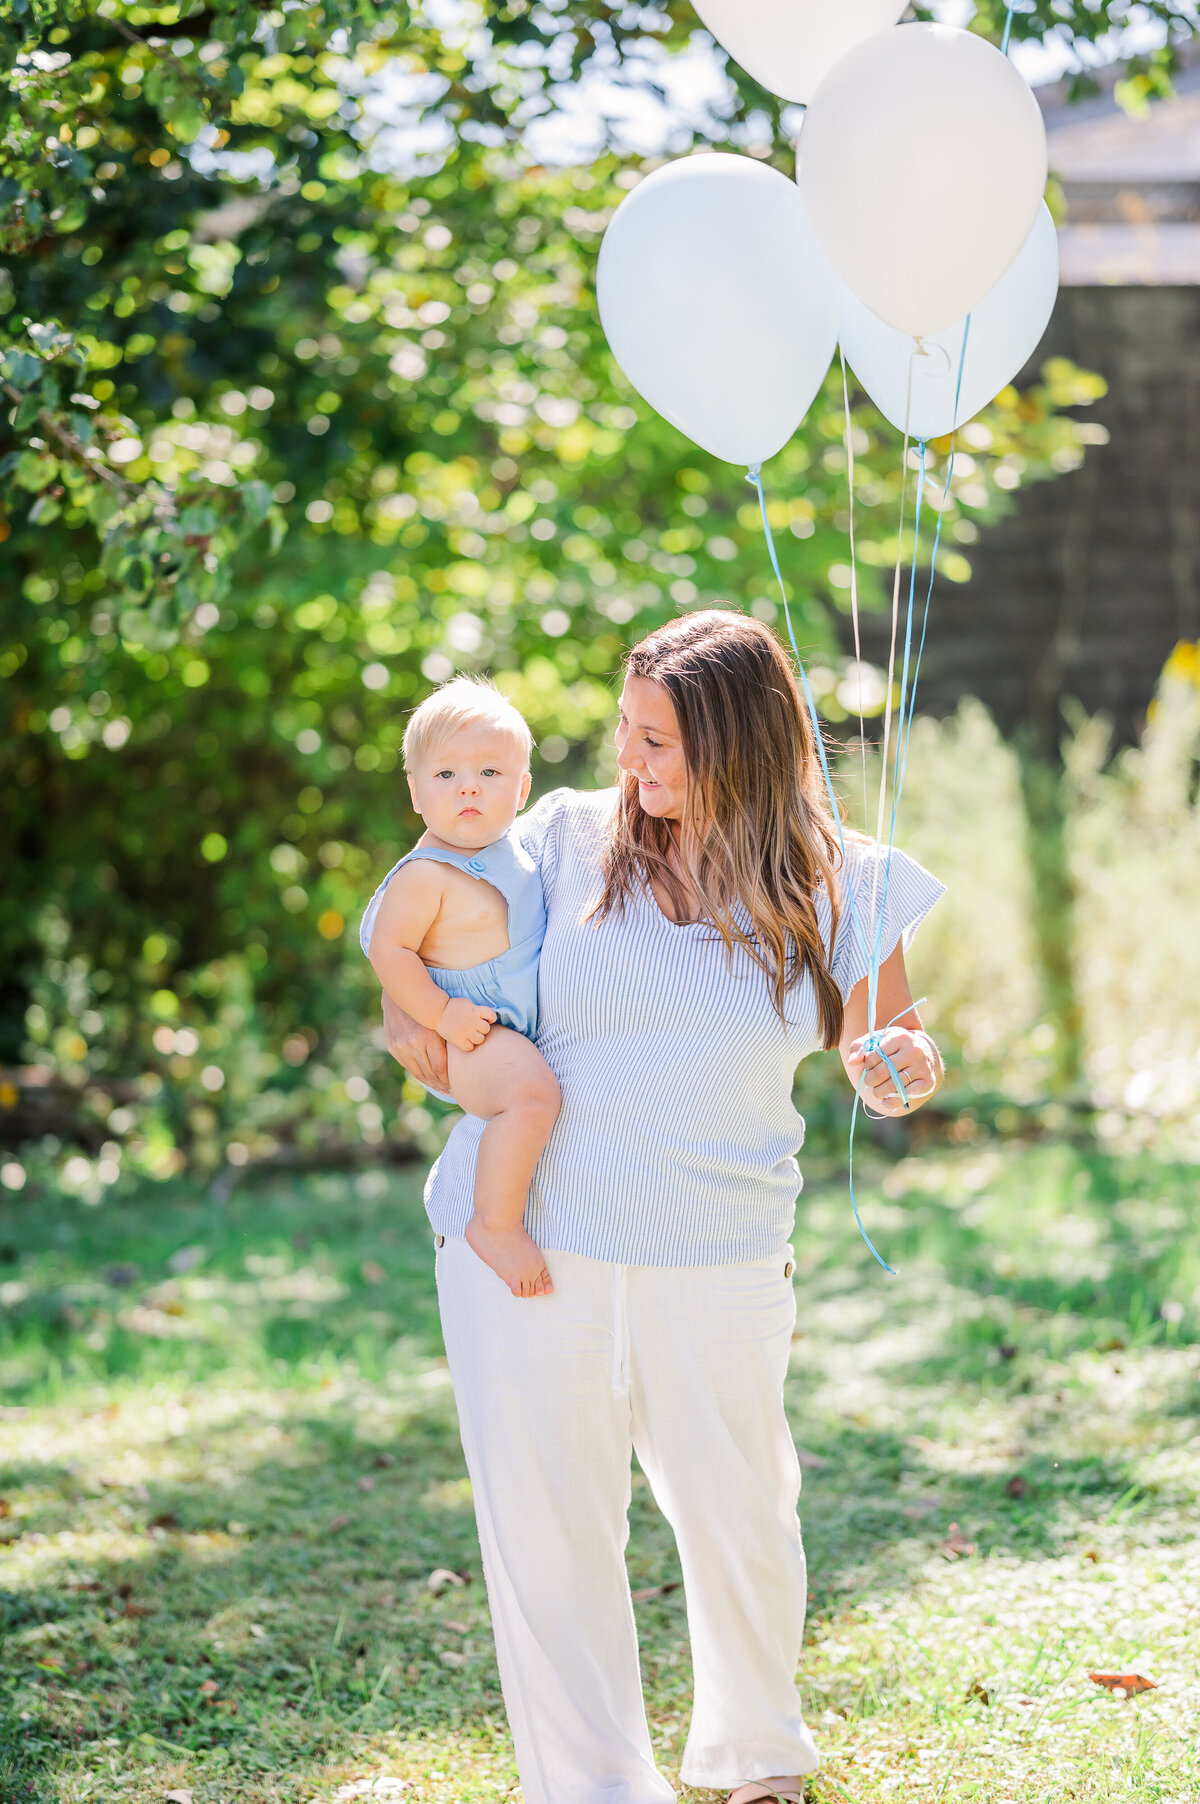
[(922, 164), (718, 303), (787, 45), (1006, 328)]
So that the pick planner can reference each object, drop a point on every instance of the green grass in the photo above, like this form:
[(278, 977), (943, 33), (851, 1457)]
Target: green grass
[(224, 1489)]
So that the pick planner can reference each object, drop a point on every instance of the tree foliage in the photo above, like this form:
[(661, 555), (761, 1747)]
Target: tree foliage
[(305, 404)]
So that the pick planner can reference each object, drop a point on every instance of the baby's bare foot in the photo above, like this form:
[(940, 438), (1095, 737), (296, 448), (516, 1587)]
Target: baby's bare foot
[(513, 1255)]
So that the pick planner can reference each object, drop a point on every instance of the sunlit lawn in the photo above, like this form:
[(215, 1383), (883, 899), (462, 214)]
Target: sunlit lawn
[(227, 1475)]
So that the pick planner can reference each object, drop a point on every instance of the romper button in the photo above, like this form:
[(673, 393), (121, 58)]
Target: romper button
[(789, 1268), (439, 1240), (476, 864)]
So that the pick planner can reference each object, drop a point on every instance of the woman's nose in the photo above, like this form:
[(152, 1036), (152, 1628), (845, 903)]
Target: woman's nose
[(625, 758)]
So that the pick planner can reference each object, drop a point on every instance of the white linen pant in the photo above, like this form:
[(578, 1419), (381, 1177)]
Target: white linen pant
[(685, 1366)]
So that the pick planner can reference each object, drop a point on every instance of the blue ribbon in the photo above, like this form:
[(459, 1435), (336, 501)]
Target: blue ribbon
[(872, 1043), (1007, 29), (754, 475)]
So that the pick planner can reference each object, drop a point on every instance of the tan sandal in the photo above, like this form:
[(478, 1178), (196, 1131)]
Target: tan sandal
[(766, 1791)]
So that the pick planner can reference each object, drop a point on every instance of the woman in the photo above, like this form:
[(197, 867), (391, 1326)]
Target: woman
[(697, 948)]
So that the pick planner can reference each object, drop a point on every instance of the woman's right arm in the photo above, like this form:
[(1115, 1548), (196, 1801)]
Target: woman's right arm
[(420, 1050)]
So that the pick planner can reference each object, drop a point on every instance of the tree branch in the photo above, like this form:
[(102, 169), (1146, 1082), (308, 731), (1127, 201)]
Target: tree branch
[(74, 447)]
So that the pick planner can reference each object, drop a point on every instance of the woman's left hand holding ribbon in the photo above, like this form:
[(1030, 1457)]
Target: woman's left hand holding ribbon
[(905, 1051)]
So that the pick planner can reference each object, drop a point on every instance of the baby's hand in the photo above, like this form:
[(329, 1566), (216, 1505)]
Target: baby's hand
[(464, 1024)]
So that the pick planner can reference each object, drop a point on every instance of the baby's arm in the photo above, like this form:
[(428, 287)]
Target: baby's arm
[(408, 909)]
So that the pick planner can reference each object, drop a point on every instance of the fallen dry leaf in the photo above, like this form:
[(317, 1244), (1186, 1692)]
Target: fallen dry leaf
[(5, 1508), (164, 1519), (366, 1482), (371, 1272), (639, 1597), (339, 1522), (132, 1609), (956, 1545), (1017, 1486), (976, 1690), (385, 1459), (448, 1658), (1122, 1684), (177, 1797), (209, 1687), (442, 1579), (455, 1627)]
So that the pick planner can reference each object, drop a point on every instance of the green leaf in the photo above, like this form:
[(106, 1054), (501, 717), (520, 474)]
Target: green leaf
[(135, 626), (185, 116), (21, 368), (35, 470), (76, 210), (256, 499)]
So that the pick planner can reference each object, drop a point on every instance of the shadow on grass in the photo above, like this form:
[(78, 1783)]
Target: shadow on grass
[(273, 1620), (274, 1616), (273, 1608)]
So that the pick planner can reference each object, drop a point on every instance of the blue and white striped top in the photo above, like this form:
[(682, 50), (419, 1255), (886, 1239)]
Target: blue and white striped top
[(677, 1138)]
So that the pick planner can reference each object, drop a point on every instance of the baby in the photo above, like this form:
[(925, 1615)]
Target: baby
[(453, 933)]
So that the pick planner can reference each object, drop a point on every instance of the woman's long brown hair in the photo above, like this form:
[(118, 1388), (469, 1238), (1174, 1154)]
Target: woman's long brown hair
[(757, 830)]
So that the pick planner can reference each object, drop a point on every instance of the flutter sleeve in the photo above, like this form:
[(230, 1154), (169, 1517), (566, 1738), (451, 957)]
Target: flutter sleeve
[(890, 900), (540, 831)]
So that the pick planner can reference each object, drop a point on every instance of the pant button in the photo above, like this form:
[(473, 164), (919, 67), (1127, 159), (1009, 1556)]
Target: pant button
[(789, 1268), (439, 1240)]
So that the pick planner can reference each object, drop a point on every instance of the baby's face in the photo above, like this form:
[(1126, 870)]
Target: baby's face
[(469, 789)]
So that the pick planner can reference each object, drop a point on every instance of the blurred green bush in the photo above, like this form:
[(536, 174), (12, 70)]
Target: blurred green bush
[(301, 268), (1133, 860), (272, 1049)]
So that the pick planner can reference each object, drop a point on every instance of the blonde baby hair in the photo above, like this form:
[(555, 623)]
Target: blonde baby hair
[(463, 701)]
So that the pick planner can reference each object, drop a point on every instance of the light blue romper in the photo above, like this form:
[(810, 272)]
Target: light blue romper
[(508, 984)]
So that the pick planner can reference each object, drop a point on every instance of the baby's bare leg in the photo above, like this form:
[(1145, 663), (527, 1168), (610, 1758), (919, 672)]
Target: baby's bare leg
[(508, 1084)]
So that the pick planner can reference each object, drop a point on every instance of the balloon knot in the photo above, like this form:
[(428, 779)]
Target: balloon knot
[(753, 473)]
